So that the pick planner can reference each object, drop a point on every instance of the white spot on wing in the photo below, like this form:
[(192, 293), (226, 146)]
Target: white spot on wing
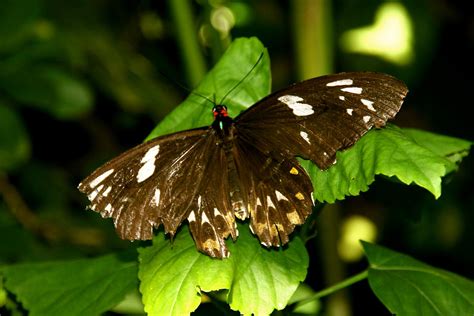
[(368, 104), (305, 136), (299, 109), (156, 197), (344, 82), (92, 195), (191, 217), (216, 212), (341, 97), (148, 168), (354, 90), (151, 154), (108, 207), (100, 178), (270, 202), (107, 191), (259, 203), (349, 111), (204, 218), (280, 196), (199, 201), (366, 119)]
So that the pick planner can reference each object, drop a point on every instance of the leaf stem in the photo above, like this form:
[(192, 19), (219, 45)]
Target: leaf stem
[(336, 287), (194, 63)]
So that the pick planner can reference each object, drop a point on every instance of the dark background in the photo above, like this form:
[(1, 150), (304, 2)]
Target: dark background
[(82, 81)]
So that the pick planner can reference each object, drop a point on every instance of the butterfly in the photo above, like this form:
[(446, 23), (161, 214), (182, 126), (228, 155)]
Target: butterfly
[(242, 167)]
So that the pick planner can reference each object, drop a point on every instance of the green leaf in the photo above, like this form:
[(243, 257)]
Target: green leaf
[(453, 149), (76, 287), (392, 152), (409, 287), (238, 60), (50, 89), (258, 280), (14, 141)]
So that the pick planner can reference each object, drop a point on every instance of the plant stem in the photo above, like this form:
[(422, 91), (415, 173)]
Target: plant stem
[(187, 40), (336, 287)]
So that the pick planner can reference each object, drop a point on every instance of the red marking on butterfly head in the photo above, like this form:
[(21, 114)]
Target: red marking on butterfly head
[(220, 111)]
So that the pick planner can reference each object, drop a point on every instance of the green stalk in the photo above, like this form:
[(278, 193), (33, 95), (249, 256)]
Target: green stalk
[(186, 33), (336, 287), (312, 21)]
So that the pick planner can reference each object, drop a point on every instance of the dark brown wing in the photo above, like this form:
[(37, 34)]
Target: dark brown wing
[(164, 181), (317, 117), (276, 193)]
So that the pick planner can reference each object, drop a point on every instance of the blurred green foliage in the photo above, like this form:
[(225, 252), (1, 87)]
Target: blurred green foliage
[(81, 81)]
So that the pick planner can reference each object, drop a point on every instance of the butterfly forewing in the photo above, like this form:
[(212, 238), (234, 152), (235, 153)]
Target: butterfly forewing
[(317, 117), (165, 181)]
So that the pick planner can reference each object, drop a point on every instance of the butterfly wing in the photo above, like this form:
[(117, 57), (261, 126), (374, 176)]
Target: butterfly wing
[(274, 191), (164, 181), (317, 117)]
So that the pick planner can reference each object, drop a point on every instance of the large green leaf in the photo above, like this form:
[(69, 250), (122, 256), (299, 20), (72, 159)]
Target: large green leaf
[(238, 60), (409, 287), (14, 141), (408, 155), (76, 287), (258, 280)]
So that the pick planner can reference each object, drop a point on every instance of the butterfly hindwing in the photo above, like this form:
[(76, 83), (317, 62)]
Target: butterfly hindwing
[(278, 193), (317, 117)]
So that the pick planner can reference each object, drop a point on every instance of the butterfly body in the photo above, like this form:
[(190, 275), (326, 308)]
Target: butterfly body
[(244, 167)]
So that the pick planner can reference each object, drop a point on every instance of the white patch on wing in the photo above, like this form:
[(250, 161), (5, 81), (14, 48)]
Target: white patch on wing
[(343, 82), (156, 197), (191, 217), (199, 201), (100, 178), (341, 97), (305, 137), (107, 191), (299, 109), (93, 195), (259, 203), (349, 111), (204, 218), (216, 212), (108, 207), (280, 196), (270, 202), (368, 104), (148, 160), (366, 119), (354, 90)]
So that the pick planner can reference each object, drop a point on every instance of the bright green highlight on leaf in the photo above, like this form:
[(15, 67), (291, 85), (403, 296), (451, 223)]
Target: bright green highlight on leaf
[(390, 37), (258, 280), (234, 65), (409, 287), (76, 287)]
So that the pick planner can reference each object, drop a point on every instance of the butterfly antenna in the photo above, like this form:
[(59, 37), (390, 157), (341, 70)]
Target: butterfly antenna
[(186, 88), (242, 80)]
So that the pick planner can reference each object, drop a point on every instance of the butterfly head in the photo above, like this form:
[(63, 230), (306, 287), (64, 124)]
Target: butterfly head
[(220, 111)]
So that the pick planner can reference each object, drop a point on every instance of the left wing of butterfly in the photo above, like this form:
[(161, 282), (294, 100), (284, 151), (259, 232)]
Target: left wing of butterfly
[(165, 181)]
